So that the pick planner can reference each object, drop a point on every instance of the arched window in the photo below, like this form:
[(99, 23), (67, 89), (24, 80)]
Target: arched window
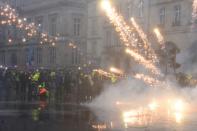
[(13, 58), (141, 8)]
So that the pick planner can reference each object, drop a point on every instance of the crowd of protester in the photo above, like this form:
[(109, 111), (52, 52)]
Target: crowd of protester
[(65, 85), (68, 85)]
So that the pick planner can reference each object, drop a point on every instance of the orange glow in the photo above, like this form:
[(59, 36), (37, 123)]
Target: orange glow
[(179, 106), (116, 71), (104, 73), (106, 5), (153, 106), (160, 37)]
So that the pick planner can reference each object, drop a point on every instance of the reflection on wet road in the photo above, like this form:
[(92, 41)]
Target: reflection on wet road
[(16, 116)]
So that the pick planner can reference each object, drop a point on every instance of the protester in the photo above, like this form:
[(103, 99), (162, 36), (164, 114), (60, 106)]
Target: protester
[(60, 86)]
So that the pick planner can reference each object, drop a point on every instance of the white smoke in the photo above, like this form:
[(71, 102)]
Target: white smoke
[(137, 94), (188, 61)]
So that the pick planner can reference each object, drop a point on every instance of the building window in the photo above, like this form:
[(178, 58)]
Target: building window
[(29, 53), (162, 16), (141, 8), (77, 26), (74, 56), (39, 22), (13, 58), (94, 48), (94, 26), (3, 35), (26, 56), (52, 58), (53, 24), (108, 37), (177, 15), (39, 56), (3, 57), (117, 40)]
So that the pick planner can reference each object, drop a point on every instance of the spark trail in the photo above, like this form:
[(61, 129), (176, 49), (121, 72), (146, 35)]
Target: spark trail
[(145, 40), (143, 61), (194, 11), (104, 73), (9, 17), (159, 37), (128, 36), (148, 80)]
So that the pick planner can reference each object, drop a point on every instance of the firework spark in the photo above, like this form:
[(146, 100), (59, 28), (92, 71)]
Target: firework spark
[(144, 38), (10, 17), (116, 71), (160, 37), (104, 73), (130, 38), (148, 80), (153, 106), (128, 34), (194, 12), (144, 62)]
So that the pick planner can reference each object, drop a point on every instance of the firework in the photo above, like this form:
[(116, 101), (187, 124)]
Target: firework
[(194, 12), (130, 116), (145, 40), (104, 73), (137, 117), (129, 38), (100, 127), (10, 17), (159, 37), (72, 45), (116, 71), (179, 106), (106, 5), (144, 62), (153, 106), (148, 80), (128, 34)]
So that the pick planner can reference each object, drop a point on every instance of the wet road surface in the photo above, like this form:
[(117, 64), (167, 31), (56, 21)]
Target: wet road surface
[(29, 117)]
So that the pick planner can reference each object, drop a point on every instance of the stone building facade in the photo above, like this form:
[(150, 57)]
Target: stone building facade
[(84, 23), (174, 18)]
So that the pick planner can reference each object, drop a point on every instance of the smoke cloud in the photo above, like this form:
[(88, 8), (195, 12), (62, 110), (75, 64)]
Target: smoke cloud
[(188, 61), (136, 94)]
